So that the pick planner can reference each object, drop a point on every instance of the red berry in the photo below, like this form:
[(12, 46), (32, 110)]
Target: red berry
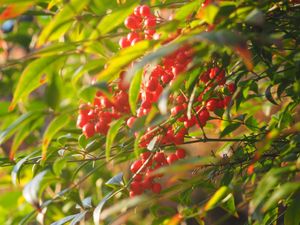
[(133, 22), (151, 85), (136, 187), (147, 183), (150, 21), (156, 188), (166, 78), (226, 100), (231, 88), (101, 127), (132, 35), (145, 11), (134, 41), (212, 104), (136, 11), (180, 153), (158, 71), (172, 158), (123, 42), (176, 110), (145, 155), (82, 120), (160, 157), (138, 177), (131, 121), (88, 130), (135, 166)]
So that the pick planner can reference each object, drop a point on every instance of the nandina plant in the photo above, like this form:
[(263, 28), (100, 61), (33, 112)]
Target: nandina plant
[(165, 112)]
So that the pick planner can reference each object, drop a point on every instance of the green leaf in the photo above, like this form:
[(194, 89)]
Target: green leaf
[(111, 21), (23, 133), (112, 133), (281, 193), (31, 78), (229, 129), (267, 183), (122, 59), (62, 21), (216, 199), (116, 180), (32, 190), (15, 173), (229, 205), (210, 13), (88, 92), (22, 120), (269, 95), (55, 125), (134, 91), (58, 165), (292, 215), (252, 123), (98, 209), (65, 219), (183, 12)]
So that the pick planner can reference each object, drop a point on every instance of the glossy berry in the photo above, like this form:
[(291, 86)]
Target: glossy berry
[(130, 122), (152, 84), (231, 88), (133, 22), (123, 42), (212, 104), (150, 21), (180, 153), (172, 158), (136, 166), (88, 130), (145, 11)]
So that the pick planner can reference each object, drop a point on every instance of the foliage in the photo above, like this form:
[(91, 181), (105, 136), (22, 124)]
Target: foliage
[(226, 104)]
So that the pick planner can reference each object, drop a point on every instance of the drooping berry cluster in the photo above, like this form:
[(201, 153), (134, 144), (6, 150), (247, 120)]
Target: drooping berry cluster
[(142, 25), (144, 179)]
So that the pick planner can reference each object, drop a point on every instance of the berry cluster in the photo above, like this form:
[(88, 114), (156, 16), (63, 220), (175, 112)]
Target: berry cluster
[(143, 178), (215, 95), (142, 25), (95, 118)]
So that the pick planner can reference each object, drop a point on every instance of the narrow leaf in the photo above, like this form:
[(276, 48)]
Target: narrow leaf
[(55, 125), (112, 133), (269, 95), (216, 199), (134, 90), (98, 209)]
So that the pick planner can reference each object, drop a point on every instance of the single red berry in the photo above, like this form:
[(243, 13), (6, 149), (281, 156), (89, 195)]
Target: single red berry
[(82, 120), (136, 187), (123, 42), (231, 87), (135, 166), (138, 177), (150, 21), (156, 188), (136, 11), (226, 100), (101, 127), (145, 11), (203, 116), (134, 41), (132, 35), (166, 78), (180, 153), (133, 22), (160, 158), (132, 194), (212, 104), (172, 158), (151, 85), (176, 110), (131, 121), (88, 130), (147, 183), (145, 155)]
